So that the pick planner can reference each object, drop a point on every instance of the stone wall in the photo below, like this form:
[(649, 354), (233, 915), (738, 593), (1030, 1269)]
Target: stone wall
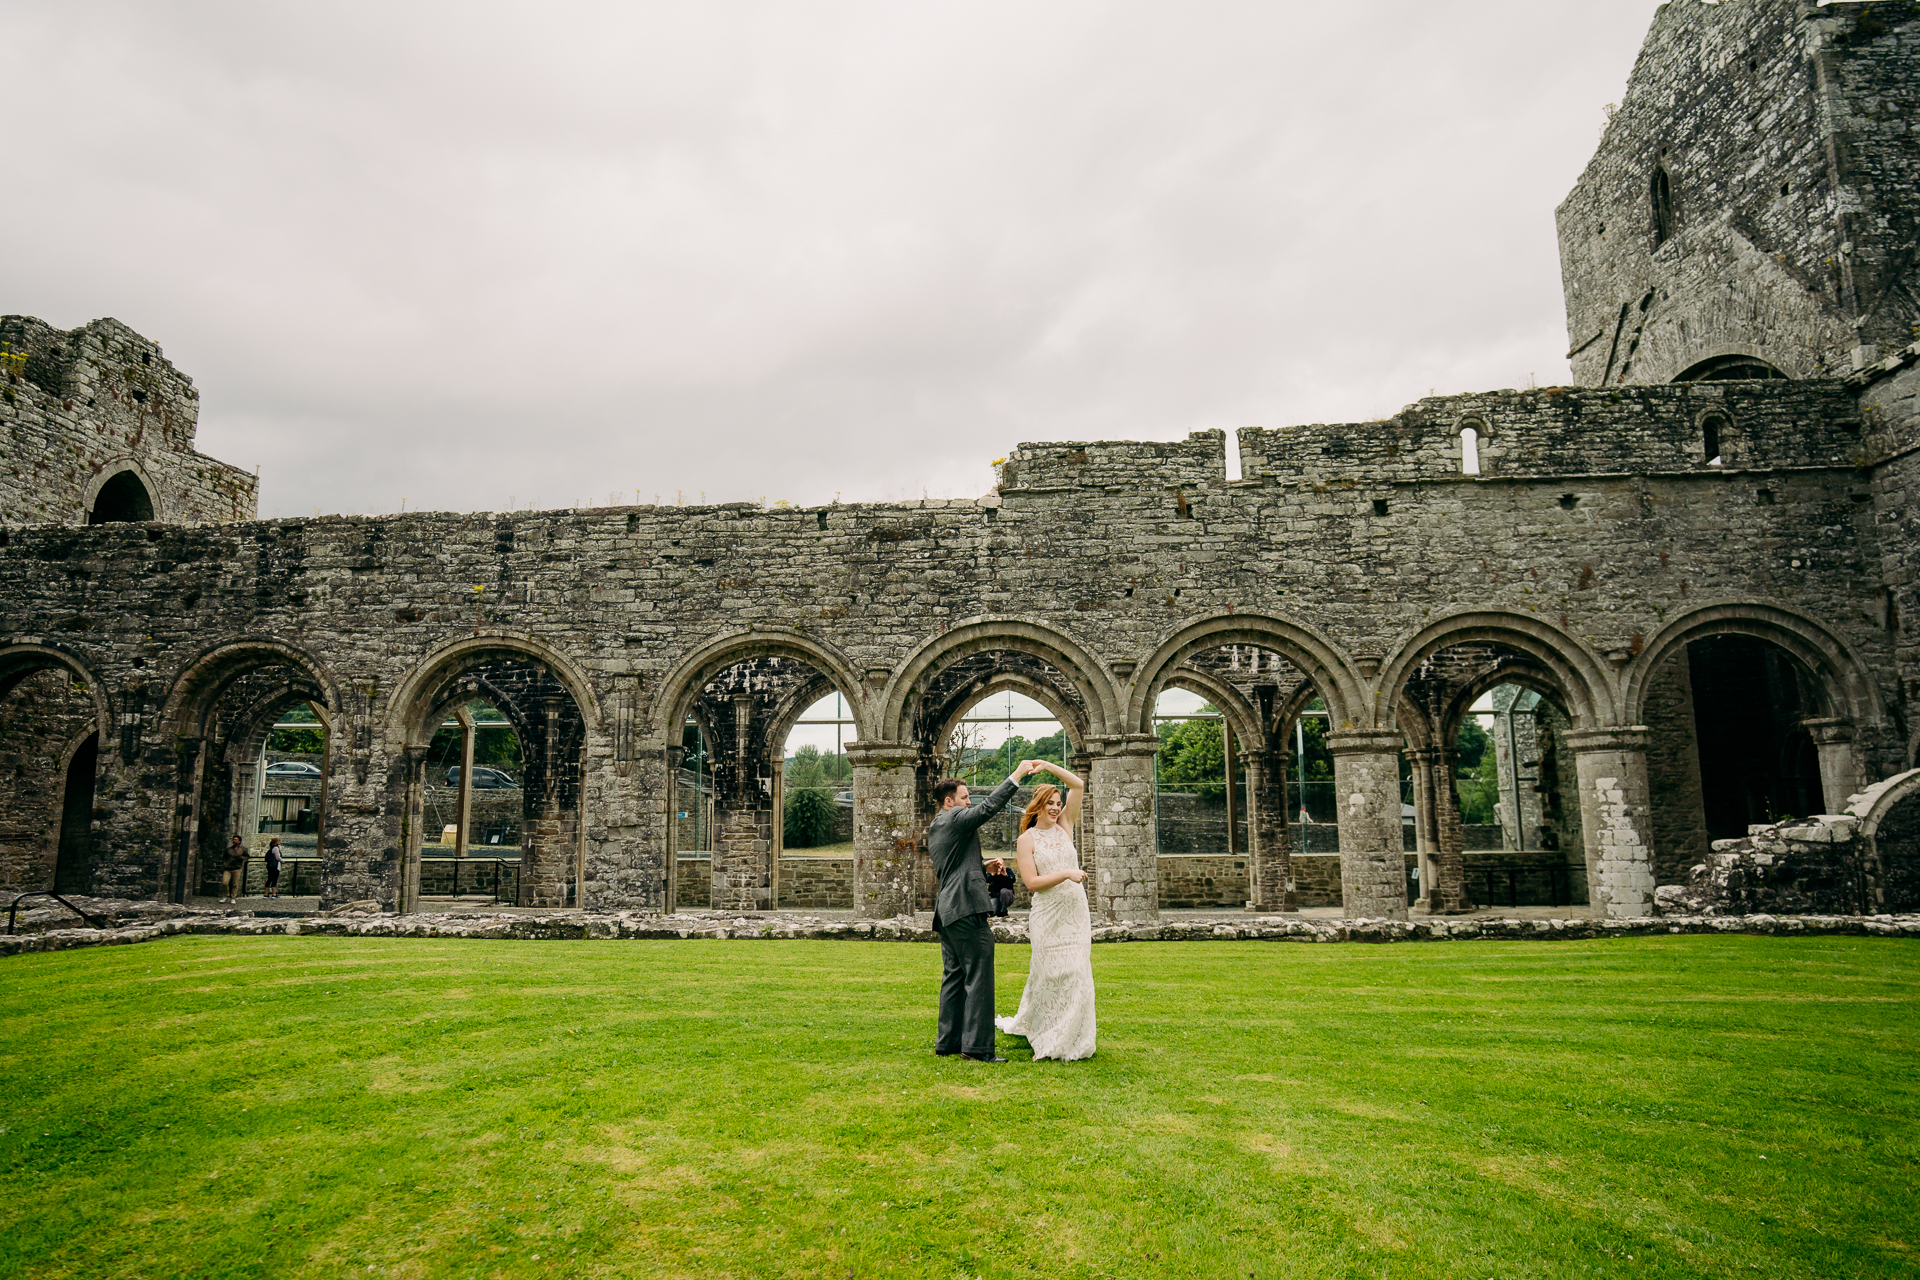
[(94, 401)]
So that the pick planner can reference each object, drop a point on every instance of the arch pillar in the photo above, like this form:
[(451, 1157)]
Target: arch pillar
[(1439, 831), (1373, 863), (1841, 777), (1126, 862), (885, 832), (1616, 817), (1270, 883)]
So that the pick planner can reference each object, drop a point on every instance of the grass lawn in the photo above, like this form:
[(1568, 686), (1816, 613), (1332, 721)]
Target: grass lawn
[(333, 1107)]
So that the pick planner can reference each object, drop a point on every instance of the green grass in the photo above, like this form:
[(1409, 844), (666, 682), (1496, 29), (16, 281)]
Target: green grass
[(1685, 1106)]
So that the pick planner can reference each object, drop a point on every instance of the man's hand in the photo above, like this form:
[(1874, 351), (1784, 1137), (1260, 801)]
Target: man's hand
[(1024, 768)]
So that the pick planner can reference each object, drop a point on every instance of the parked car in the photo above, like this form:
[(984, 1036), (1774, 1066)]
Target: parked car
[(483, 777), (293, 769)]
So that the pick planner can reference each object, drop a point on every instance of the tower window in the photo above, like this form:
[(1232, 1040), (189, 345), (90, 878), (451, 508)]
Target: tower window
[(1662, 190), (1711, 428), (1469, 451)]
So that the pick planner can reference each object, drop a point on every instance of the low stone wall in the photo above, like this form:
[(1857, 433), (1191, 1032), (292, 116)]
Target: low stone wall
[(1201, 881), (817, 882), (559, 925)]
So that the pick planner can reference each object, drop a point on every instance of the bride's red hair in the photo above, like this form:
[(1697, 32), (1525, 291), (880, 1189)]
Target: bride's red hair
[(1042, 797)]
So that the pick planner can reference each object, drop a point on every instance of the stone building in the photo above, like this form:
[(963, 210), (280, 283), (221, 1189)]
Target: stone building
[(1698, 559)]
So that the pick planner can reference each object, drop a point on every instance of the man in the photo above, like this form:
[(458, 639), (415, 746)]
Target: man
[(960, 916)]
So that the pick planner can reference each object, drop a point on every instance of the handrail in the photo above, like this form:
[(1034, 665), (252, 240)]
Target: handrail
[(13, 909), (499, 864)]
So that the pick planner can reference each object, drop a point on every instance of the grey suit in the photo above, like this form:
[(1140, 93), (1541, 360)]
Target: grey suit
[(960, 914)]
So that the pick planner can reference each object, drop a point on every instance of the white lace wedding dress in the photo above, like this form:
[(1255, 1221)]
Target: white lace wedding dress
[(1056, 1008)]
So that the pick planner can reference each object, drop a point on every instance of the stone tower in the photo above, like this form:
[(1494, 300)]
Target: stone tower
[(96, 427), (1751, 210)]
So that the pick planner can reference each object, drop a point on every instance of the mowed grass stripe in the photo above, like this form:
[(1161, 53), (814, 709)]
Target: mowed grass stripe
[(1664, 1106)]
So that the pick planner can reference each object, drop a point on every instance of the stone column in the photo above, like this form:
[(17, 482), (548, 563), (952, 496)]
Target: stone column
[(1126, 875), (885, 785), (463, 834), (1616, 817), (1373, 860), (1270, 876), (1841, 777), (361, 807), (1446, 893), (246, 801), (1082, 764), (1424, 829)]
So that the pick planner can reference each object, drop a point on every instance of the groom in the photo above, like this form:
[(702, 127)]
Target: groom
[(960, 916)]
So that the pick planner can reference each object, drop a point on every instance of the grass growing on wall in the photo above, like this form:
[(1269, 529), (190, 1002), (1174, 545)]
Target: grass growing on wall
[(334, 1107)]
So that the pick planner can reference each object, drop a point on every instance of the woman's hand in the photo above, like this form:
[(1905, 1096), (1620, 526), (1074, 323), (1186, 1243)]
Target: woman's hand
[(1077, 876)]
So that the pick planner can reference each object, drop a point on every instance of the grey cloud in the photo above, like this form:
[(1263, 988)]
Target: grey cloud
[(456, 253)]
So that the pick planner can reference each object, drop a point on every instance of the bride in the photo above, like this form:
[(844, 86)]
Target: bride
[(1056, 1008)]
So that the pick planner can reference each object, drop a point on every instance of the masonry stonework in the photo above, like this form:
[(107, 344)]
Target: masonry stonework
[(1737, 466)]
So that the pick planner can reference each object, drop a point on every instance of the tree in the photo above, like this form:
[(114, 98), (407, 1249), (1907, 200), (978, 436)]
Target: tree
[(1477, 778), (1193, 756), (809, 818)]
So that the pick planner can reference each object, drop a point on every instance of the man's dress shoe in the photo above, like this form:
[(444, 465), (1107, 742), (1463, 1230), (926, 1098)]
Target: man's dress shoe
[(974, 1057)]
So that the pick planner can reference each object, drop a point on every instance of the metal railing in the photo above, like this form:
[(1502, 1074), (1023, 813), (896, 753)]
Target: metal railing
[(13, 909), (499, 870)]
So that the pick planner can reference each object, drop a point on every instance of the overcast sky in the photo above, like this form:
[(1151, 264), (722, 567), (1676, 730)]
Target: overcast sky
[(467, 255)]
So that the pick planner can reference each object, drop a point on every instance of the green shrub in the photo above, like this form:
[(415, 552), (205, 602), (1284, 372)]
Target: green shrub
[(809, 821)]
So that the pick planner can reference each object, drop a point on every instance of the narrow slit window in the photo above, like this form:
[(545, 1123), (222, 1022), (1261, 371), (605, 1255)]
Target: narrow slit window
[(1662, 206), (1469, 451)]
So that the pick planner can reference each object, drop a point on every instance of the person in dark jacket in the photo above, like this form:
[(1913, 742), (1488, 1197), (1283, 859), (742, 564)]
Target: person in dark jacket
[(960, 915), (1000, 888), (274, 856)]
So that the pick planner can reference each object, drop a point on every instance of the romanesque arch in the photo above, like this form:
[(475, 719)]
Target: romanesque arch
[(1842, 683), (51, 704), (121, 490), (1431, 684), (547, 700), (220, 701), (900, 717), (1570, 664), (1889, 814), (1315, 657), (744, 690)]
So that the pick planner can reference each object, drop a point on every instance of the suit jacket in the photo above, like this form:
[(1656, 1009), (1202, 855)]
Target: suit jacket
[(953, 841)]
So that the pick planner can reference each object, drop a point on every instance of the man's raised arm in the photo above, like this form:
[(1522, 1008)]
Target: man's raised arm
[(976, 815)]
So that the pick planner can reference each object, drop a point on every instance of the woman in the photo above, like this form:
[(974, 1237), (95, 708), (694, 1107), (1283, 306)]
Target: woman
[(1056, 1008), (274, 856)]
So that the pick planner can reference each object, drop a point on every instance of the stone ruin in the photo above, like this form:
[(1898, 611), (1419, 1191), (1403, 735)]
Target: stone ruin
[(1692, 571)]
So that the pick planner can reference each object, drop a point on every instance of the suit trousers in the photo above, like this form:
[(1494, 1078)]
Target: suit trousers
[(966, 987)]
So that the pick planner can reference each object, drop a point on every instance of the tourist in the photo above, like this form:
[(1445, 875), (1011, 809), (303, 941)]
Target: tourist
[(1056, 1008), (960, 915), (236, 868), (1000, 887), (274, 857)]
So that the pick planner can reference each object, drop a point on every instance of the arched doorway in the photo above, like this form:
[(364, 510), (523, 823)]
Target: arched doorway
[(730, 712), (521, 704), (1282, 693), (1487, 703), (223, 711), (980, 704), (50, 716), (122, 499)]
